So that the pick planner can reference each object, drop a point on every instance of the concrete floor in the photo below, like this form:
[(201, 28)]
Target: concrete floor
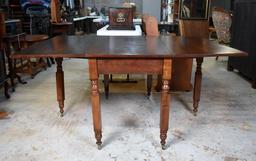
[(224, 129)]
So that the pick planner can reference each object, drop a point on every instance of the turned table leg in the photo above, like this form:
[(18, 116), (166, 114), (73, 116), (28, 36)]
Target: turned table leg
[(149, 84), (106, 85), (165, 99), (95, 99), (197, 84), (60, 85)]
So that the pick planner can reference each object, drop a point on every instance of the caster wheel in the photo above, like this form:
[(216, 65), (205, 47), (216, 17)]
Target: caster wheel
[(61, 114)]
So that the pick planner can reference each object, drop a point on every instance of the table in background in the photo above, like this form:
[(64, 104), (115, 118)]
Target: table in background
[(151, 55), (105, 32)]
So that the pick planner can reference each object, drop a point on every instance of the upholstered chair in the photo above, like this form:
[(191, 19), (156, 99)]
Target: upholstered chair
[(222, 22)]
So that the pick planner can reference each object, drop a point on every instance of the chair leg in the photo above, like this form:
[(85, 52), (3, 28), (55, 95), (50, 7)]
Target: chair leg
[(106, 85), (217, 57), (149, 85), (127, 77), (159, 83), (52, 60), (30, 69), (6, 87), (48, 62)]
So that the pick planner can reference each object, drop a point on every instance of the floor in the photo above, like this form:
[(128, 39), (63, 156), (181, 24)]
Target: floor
[(223, 130)]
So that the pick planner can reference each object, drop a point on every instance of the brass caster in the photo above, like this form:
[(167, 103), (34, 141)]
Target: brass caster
[(61, 114), (99, 146), (195, 113), (164, 147)]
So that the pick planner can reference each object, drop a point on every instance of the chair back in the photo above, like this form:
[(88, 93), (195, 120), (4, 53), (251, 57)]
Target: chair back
[(194, 28), (222, 22), (150, 25)]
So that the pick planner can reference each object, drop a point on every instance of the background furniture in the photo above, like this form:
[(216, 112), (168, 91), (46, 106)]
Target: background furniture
[(39, 19), (61, 28), (182, 68), (3, 75), (243, 37), (222, 22), (105, 32), (182, 74), (14, 42)]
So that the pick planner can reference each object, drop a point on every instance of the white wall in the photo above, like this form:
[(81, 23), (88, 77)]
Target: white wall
[(152, 7)]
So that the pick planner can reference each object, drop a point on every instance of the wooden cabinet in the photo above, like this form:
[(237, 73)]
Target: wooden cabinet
[(243, 38)]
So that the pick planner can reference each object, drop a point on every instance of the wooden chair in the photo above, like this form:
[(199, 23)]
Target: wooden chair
[(150, 28), (222, 22), (182, 69), (21, 41), (38, 64)]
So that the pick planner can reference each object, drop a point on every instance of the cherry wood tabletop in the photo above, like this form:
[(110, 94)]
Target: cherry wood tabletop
[(92, 46)]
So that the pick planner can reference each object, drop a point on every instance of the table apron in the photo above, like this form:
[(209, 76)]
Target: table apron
[(124, 66)]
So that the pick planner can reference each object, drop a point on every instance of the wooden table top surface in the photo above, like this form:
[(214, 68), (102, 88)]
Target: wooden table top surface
[(93, 46)]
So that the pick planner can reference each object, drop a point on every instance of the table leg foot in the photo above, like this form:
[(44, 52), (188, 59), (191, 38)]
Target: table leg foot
[(164, 147), (98, 136), (99, 147), (61, 106), (163, 137), (195, 109)]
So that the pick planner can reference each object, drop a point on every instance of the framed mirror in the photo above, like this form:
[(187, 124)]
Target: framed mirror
[(194, 9)]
